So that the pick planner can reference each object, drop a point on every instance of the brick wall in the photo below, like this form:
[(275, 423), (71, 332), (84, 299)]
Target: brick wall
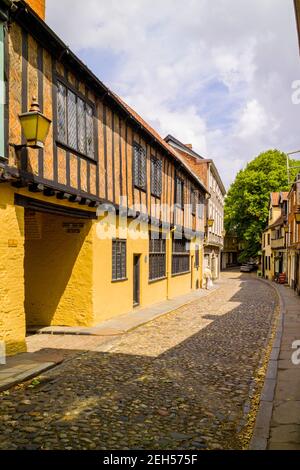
[(38, 6), (198, 167)]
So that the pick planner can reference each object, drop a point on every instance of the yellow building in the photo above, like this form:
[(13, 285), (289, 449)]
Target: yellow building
[(105, 217), (274, 252)]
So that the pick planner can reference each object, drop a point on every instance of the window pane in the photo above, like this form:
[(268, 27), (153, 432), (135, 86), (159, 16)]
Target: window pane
[(81, 126), (72, 120), (153, 176), (89, 131), (61, 112), (114, 261), (180, 257), (118, 259), (179, 192), (157, 256), (156, 176), (123, 260), (159, 177), (136, 165), (139, 166), (143, 168)]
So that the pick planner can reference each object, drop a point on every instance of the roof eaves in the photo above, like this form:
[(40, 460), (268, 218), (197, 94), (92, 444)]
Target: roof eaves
[(63, 50), (169, 138)]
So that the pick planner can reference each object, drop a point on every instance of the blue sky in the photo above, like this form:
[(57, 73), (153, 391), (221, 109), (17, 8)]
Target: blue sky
[(217, 74)]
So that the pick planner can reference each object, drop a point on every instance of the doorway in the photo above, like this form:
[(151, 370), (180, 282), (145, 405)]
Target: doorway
[(57, 270), (136, 280)]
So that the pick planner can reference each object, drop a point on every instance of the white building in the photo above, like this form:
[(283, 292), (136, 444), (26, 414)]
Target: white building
[(209, 175)]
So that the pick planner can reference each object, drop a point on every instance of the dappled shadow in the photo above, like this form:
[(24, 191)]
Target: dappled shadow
[(191, 395)]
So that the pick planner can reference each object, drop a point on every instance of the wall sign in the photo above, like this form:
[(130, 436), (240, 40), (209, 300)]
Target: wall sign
[(73, 227)]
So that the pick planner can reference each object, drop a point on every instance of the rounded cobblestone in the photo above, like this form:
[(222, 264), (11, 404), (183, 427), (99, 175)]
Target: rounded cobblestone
[(181, 381)]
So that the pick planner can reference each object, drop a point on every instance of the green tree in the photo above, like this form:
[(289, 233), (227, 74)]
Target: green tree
[(246, 205)]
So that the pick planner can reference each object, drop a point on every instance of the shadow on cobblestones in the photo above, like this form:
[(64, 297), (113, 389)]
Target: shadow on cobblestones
[(179, 383)]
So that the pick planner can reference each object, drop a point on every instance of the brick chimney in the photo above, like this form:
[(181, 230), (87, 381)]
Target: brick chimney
[(189, 146), (39, 6)]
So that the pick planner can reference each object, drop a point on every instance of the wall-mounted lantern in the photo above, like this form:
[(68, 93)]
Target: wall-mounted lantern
[(297, 217), (210, 222), (35, 126)]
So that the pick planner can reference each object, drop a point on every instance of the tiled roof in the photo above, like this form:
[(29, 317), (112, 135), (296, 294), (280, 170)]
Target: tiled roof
[(284, 195), (186, 151), (159, 139), (26, 14), (275, 199)]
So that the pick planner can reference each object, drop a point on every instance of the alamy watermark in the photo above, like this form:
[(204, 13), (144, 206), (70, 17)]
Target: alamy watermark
[(296, 354), (296, 93), (135, 222), (2, 353)]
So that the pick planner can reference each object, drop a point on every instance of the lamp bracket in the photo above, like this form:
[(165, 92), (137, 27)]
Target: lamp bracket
[(18, 147)]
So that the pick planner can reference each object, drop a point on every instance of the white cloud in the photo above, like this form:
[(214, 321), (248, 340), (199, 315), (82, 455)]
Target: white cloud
[(215, 74), (253, 120)]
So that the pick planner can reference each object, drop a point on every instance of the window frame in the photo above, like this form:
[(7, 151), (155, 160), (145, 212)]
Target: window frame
[(120, 242), (157, 169), (136, 184), (179, 204), (197, 256), (177, 255), (87, 103), (161, 254), (194, 196), (201, 206)]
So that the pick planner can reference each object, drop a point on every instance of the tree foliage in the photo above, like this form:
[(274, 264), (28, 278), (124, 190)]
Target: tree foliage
[(246, 205)]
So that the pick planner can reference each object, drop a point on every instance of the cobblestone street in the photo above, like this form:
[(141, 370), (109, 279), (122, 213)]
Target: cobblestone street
[(180, 382)]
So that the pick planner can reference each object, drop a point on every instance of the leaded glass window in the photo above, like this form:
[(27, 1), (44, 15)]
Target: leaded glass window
[(157, 257), (180, 256), (139, 166), (89, 131), (75, 121), (194, 200), (156, 176), (179, 195), (61, 112), (81, 126), (118, 260), (72, 120)]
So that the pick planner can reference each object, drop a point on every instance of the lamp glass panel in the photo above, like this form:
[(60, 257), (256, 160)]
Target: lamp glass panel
[(29, 125), (42, 128)]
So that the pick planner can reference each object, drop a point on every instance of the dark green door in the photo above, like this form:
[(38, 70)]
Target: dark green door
[(136, 280)]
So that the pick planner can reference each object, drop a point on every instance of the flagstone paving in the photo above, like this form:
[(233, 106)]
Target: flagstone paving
[(180, 382)]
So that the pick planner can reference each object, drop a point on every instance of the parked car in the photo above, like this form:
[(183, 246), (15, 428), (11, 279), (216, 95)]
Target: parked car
[(245, 268), (253, 265), (248, 267)]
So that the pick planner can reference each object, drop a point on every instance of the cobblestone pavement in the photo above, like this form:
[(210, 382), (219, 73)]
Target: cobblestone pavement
[(179, 382)]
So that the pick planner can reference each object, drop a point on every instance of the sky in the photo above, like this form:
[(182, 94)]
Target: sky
[(215, 74)]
